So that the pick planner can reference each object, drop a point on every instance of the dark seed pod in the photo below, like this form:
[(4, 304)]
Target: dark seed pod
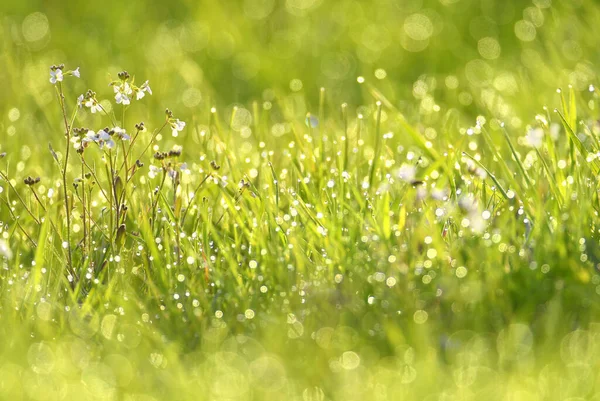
[(31, 181)]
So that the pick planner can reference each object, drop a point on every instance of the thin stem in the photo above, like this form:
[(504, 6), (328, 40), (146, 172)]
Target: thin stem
[(377, 146), (16, 220), (113, 120), (152, 139), (346, 141), (5, 177), (39, 201), (95, 178), (83, 205), (61, 98), (185, 212), (155, 203)]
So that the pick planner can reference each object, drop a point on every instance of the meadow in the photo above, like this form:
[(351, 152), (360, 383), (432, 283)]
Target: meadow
[(299, 200)]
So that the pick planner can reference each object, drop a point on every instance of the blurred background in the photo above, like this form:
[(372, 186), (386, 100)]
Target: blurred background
[(501, 59)]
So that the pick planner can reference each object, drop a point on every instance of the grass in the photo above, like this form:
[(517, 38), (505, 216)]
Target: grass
[(336, 244)]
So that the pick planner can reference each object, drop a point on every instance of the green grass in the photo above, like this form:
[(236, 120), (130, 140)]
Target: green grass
[(428, 232)]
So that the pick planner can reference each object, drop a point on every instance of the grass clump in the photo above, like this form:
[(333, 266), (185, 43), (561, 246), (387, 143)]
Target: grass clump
[(299, 200), (364, 258)]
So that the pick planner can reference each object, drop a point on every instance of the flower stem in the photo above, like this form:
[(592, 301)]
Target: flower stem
[(61, 99)]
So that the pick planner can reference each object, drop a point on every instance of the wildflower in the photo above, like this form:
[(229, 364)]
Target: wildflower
[(56, 74), (154, 171), (89, 100), (122, 93), (103, 139), (175, 172), (535, 137), (81, 141), (76, 73), (141, 91), (90, 136), (93, 105), (120, 132), (177, 126), (76, 141)]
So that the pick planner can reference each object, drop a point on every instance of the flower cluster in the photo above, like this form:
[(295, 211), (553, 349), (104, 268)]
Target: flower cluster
[(82, 137), (169, 163), (57, 74), (176, 124), (89, 100), (125, 88)]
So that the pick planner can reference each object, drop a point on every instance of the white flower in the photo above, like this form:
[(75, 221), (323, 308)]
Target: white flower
[(104, 139), (93, 105), (76, 141), (535, 137), (79, 141), (407, 172), (120, 132), (80, 100), (89, 137), (56, 75), (76, 73), (154, 171), (140, 92), (177, 126), (122, 93)]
